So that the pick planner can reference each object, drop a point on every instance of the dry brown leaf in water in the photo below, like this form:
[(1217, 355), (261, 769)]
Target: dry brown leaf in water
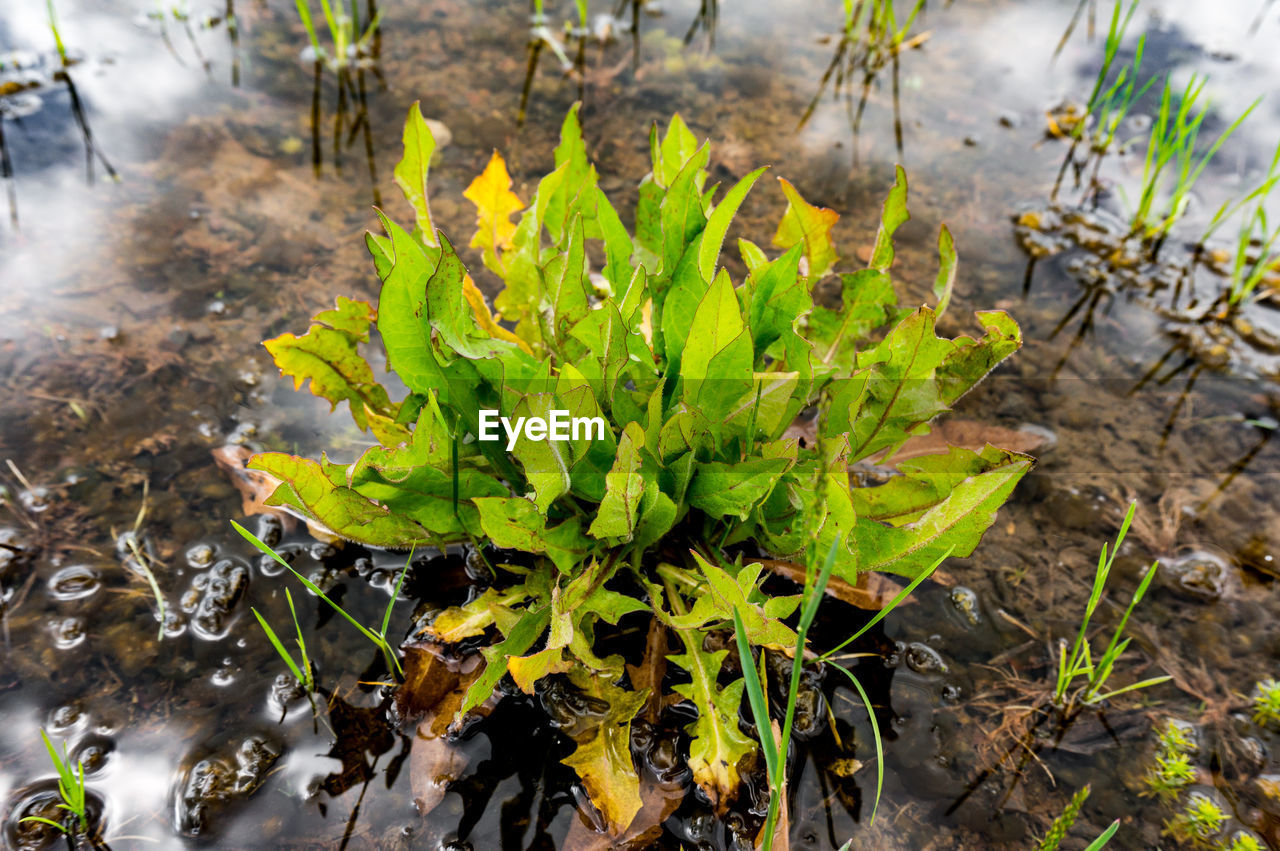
[(255, 486), (433, 691), (969, 434), (657, 804), (652, 668)]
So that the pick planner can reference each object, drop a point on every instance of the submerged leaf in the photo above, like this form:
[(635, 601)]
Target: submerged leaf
[(717, 743), (603, 756)]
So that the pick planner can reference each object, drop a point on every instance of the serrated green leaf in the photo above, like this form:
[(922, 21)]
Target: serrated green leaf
[(327, 357), (726, 592), (516, 524), (717, 743), (954, 524), (718, 222), (911, 377), (340, 509), (473, 618), (867, 302)]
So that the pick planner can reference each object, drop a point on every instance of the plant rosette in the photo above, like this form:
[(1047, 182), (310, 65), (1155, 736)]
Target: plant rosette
[(694, 379)]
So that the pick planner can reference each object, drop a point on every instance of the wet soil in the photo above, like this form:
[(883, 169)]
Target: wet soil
[(129, 353)]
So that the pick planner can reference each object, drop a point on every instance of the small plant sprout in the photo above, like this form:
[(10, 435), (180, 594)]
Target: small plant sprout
[(1079, 662), (1171, 166), (348, 41), (301, 669), (1173, 771), (70, 787), (1108, 104), (872, 38), (379, 639), (1171, 774), (1058, 830), (1242, 841), (1177, 737), (1266, 703), (1198, 822), (57, 36)]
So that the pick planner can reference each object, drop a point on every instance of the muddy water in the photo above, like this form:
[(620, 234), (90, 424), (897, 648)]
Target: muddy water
[(133, 310)]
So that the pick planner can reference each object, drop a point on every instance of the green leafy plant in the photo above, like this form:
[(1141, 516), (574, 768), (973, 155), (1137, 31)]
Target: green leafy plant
[(1266, 703), (1079, 662), (1173, 770), (693, 382), (378, 639), (71, 788), (1198, 822)]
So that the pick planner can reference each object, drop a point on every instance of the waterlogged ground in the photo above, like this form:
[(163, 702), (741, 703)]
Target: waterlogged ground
[(129, 327)]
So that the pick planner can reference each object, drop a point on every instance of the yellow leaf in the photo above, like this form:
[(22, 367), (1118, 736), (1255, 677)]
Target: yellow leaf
[(527, 670), (485, 319), (495, 202), (603, 756), (803, 221), (388, 432)]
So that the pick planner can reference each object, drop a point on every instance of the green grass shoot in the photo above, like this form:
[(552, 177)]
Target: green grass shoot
[(1172, 165), (71, 787), (1103, 838), (379, 639), (301, 669), (57, 36), (1079, 663), (347, 41), (775, 761), (1254, 254), (1108, 108), (775, 752)]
